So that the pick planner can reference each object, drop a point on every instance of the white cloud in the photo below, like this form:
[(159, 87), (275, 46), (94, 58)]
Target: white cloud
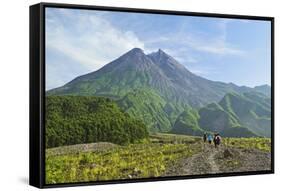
[(199, 72), (218, 44), (86, 38), (203, 71), (215, 47), (89, 41), (182, 54), (200, 41)]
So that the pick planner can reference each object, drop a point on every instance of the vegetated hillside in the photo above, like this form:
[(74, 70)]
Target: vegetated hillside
[(146, 105), (212, 118), (170, 81), (187, 123), (237, 115), (215, 119), (265, 89), (80, 119), (260, 99), (157, 71), (252, 110)]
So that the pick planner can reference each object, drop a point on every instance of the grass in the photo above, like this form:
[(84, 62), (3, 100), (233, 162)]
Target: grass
[(263, 144), (173, 138), (121, 162), (105, 161)]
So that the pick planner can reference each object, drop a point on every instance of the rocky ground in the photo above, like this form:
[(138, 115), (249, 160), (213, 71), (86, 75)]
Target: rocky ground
[(221, 160), (72, 149)]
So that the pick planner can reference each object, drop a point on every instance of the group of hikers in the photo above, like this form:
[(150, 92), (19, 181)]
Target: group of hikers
[(216, 139)]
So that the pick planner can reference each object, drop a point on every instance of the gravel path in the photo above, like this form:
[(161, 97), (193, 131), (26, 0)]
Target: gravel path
[(221, 160)]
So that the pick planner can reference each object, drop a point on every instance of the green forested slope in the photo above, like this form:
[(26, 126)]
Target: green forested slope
[(148, 106), (252, 109), (187, 123), (80, 119)]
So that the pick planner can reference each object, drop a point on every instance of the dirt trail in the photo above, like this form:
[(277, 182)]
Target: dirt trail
[(202, 163), (212, 162), (221, 160)]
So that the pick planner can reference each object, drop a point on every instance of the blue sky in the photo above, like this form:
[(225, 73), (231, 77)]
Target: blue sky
[(227, 50)]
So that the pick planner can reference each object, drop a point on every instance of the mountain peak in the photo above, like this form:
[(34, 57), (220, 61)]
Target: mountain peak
[(136, 50), (159, 55), (135, 53), (167, 62), (160, 51), (135, 59), (163, 55)]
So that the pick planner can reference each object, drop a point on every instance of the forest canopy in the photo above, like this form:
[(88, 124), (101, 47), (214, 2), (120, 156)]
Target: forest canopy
[(81, 119)]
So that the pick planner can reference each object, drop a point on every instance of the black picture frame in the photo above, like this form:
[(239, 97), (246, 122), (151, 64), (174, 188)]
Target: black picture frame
[(37, 92)]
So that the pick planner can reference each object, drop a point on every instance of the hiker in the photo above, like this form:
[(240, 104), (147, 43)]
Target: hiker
[(210, 138), (217, 140), (214, 138), (205, 137)]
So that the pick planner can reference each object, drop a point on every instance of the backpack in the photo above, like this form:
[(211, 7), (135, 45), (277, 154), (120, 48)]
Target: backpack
[(218, 139)]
